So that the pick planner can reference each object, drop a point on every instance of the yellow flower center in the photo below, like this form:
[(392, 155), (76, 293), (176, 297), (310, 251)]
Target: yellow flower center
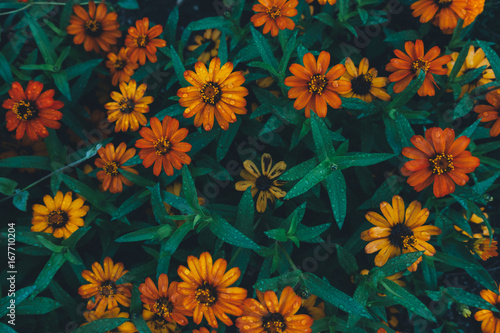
[(111, 168), (24, 110), (402, 236), (210, 93), (206, 294), (274, 323), (57, 219), (162, 146), (163, 307), (420, 63), (362, 84), (409, 241), (274, 12), (119, 64), (126, 105), (93, 28), (107, 289), (441, 163), (317, 84), (141, 41)]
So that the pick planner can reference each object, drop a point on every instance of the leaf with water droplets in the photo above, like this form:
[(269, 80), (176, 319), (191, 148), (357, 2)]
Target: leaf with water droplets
[(346, 260), (170, 245), (299, 171), (398, 131), (226, 138), (395, 265), (229, 234), (276, 284), (360, 159), (470, 299), (49, 270), (20, 296), (321, 136), (101, 325), (189, 190), (315, 176), (311, 234), (337, 192), (265, 51), (37, 306)]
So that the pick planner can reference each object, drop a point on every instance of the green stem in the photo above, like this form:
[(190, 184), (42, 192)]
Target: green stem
[(285, 254)]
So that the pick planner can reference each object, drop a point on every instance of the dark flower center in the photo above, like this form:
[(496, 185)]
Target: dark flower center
[(111, 168), (162, 146), (273, 323), (206, 294), (163, 306), (93, 28), (263, 183), (362, 84), (24, 110), (210, 93), (274, 12), (476, 228), (141, 41), (317, 84), (302, 310), (107, 289), (401, 236), (441, 163), (443, 3), (57, 219), (420, 63), (119, 64), (157, 323), (126, 105)]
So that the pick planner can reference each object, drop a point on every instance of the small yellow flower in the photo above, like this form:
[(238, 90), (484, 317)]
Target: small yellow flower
[(364, 81), (212, 50)]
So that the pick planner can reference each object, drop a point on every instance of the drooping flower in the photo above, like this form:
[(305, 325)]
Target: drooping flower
[(270, 314), (308, 307), (126, 327), (399, 231), (275, 15), (216, 92), (313, 87), (103, 286), (128, 107), (161, 144), (477, 226), (120, 66), (211, 36), (485, 249), (489, 320), (474, 60), (440, 159), (32, 111), (264, 183), (207, 290), (323, 2), (111, 161), (407, 66), (60, 216), (158, 324), (443, 13), (142, 42), (164, 300), (97, 29), (364, 81), (490, 113)]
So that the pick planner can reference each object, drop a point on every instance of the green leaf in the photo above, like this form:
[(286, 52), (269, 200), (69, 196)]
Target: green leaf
[(171, 26), (37, 306), (469, 299), (189, 190), (20, 296), (131, 204), (337, 192), (7, 186), (47, 274), (398, 131), (158, 232), (335, 297), (321, 136), (169, 246), (208, 23), (343, 10), (403, 97), (245, 214), (287, 53), (463, 107), (360, 159), (61, 82), (226, 138), (35, 162), (459, 62), (136, 179), (346, 260), (229, 234), (277, 234), (300, 170), (395, 265), (128, 4), (82, 68), (49, 245), (101, 325), (222, 54), (492, 57), (178, 67), (42, 41), (264, 66), (311, 234), (315, 176), (20, 200), (265, 51), (5, 71), (389, 188), (470, 130), (280, 282), (159, 210)]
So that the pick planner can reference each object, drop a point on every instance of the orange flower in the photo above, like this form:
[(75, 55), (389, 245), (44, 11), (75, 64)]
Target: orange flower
[(489, 113), (473, 9), (110, 161), (323, 2), (275, 14), (164, 300), (443, 13), (161, 144), (399, 231), (32, 111), (103, 286), (142, 42), (207, 292), (158, 324), (364, 81), (313, 87), (217, 91), (440, 159), (97, 29), (407, 66), (490, 321), (120, 66), (269, 314), (485, 249)]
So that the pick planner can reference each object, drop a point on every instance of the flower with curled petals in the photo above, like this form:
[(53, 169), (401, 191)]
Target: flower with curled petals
[(313, 87), (275, 15), (490, 114), (207, 290), (120, 66), (399, 231), (31, 111), (141, 41), (490, 321), (103, 286), (440, 159), (270, 315), (111, 161), (164, 300), (407, 66)]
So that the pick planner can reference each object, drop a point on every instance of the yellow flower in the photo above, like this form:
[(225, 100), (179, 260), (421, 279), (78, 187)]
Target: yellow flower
[(212, 36), (364, 81), (485, 249)]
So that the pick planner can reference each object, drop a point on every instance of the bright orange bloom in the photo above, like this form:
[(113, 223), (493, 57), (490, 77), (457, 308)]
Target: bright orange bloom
[(207, 292), (399, 231), (443, 13), (129, 107), (111, 161), (440, 159), (268, 314), (485, 249), (142, 42), (164, 300), (126, 327), (490, 321), (32, 111), (120, 66), (314, 87), (490, 113), (364, 81), (60, 216), (103, 286), (275, 14), (217, 91), (161, 144), (323, 2), (473, 9), (407, 66), (97, 29)]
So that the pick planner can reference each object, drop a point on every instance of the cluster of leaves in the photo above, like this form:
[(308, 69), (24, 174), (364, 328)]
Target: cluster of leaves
[(339, 167)]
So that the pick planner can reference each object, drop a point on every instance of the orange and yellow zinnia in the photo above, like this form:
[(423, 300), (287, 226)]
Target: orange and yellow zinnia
[(111, 160), (274, 15), (490, 321), (141, 41)]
